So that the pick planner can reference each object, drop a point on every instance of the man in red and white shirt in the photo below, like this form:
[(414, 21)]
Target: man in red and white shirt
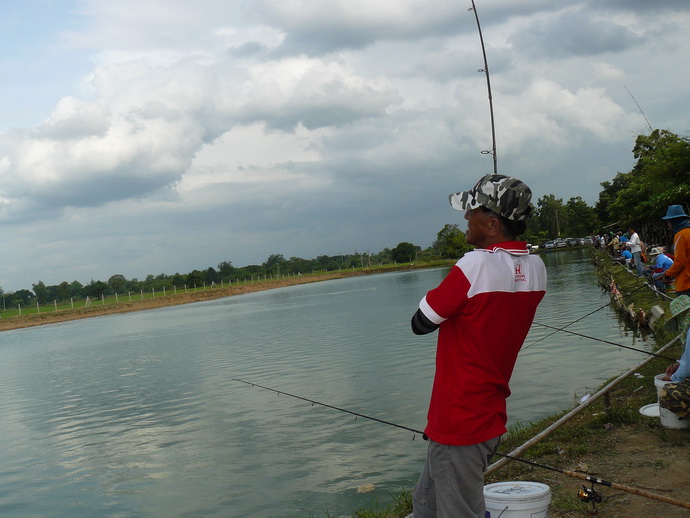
[(483, 310)]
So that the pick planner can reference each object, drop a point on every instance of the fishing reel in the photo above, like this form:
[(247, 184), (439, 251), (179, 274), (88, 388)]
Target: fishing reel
[(589, 494)]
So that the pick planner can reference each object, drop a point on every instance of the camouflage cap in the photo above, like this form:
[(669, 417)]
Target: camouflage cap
[(504, 195)]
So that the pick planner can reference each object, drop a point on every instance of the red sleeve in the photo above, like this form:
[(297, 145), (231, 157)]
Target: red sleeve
[(448, 298)]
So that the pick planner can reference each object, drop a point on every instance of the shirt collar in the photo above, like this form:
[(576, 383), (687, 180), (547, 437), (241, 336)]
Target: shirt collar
[(512, 247)]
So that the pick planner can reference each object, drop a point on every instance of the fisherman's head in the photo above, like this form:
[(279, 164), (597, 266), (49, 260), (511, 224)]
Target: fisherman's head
[(506, 198), (677, 218)]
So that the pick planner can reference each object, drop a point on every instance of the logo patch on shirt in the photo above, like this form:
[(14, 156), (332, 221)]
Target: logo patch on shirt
[(519, 276)]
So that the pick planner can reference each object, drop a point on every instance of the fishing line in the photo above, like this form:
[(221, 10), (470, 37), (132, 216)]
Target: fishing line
[(586, 495), (356, 414), (488, 88), (605, 341), (656, 136), (581, 318)]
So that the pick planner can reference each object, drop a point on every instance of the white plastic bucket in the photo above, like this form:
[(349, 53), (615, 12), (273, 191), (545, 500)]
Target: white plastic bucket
[(668, 418), (517, 500)]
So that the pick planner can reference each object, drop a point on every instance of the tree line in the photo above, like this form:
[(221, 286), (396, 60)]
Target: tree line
[(637, 198)]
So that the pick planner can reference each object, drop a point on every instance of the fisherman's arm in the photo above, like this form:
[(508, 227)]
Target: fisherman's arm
[(421, 325)]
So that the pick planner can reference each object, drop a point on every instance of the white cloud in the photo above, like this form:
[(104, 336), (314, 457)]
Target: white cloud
[(251, 128)]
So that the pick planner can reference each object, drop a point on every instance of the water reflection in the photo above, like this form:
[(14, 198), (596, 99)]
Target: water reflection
[(137, 414)]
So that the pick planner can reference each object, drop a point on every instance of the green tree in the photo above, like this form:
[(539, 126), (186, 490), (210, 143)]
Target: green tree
[(274, 265), (450, 242), (660, 177), (76, 289), (118, 283), (405, 252), (96, 289), (23, 297), (226, 269), (63, 290), (41, 292), (551, 215), (582, 219)]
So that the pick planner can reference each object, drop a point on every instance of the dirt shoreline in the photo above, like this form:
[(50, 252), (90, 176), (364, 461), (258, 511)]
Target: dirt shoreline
[(200, 295)]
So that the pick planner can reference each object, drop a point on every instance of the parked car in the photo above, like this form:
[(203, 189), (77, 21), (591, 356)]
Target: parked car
[(585, 241), (532, 247), (560, 243), (572, 241), (549, 244)]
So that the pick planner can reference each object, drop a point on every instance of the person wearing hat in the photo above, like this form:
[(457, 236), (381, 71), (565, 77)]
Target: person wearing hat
[(675, 396), (483, 310), (679, 222), (662, 262)]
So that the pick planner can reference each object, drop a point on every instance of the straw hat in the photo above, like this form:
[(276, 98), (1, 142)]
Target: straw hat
[(679, 314)]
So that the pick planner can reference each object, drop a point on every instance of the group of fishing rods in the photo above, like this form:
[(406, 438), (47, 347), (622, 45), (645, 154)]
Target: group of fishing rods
[(585, 494)]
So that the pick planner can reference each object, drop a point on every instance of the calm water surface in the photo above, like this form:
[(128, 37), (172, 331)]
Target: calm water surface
[(137, 414)]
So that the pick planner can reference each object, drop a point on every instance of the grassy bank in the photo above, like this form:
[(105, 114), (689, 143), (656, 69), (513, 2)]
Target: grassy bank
[(63, 311)]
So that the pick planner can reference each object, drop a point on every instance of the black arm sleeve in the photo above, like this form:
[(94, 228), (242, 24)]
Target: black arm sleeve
[(421, 325)]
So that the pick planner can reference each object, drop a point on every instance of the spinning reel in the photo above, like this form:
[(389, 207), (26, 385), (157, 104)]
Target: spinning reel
[(589, 494)]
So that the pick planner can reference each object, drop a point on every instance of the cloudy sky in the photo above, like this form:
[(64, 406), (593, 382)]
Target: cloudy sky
[(166, 135)]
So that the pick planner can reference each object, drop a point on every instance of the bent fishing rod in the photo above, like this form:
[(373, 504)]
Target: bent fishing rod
[(492, 152), (586, 495)]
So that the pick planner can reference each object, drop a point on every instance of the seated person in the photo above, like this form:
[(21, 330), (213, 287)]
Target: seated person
[(662, 262), (625, 258)]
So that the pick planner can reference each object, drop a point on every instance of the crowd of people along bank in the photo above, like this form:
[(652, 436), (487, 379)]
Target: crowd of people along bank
[(667, 267)]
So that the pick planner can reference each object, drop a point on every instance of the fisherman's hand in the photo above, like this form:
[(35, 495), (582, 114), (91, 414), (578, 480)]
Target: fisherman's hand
[(670, 370)]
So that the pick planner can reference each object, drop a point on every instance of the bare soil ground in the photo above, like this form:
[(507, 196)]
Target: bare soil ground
[(654, 459)]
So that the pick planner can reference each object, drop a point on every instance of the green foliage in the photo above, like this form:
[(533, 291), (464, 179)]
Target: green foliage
[(552, 218), (660, 177), (405, 252), (41, 292), (450, 242)]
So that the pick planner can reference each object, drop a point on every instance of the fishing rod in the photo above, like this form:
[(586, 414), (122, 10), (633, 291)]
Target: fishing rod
[(488, 87), (585, 494), (356, 414), (604, 341), (581, 318)]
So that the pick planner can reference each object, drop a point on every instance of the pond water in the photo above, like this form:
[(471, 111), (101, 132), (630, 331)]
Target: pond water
[(138, 414)]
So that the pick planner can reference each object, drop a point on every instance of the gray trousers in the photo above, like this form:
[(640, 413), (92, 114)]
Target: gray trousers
[(452, 482)]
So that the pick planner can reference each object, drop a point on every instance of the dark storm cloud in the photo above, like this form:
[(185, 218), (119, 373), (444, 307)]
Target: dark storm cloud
[(573, 34)]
